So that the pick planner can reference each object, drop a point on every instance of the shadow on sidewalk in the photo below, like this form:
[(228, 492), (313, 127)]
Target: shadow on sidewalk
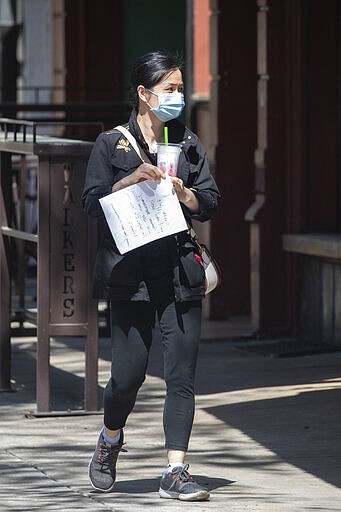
[(67, 388), (146, 485), (301, 427), (303, 430)]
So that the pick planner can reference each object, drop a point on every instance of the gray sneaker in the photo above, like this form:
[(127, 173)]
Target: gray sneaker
[(179, 485), (102, 467)]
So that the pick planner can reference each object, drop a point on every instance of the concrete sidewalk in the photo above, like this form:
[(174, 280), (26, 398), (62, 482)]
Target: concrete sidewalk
[(266, 435)]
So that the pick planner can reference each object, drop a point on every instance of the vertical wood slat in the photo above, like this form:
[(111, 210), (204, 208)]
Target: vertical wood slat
[(91, 343), (261, 42), (43, 287), (259, 161), (215, 79), (213, 110), (262, 138), (327, 301), (320, 301), (339, 125), (262, 71), (5, 284), (337, 306)]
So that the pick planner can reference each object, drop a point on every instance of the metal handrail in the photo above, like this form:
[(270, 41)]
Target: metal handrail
[(21, 235), (5, 122), (23, 124)]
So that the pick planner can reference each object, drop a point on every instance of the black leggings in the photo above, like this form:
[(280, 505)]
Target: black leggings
[(132, 326)]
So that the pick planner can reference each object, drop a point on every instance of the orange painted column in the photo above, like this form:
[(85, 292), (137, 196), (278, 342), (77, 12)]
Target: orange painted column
[(201, 45)]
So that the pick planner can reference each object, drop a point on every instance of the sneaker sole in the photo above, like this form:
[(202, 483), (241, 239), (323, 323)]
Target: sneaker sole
[(98, 488), (194, 496)]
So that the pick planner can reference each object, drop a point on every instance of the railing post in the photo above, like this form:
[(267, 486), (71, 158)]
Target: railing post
[(5, 281)]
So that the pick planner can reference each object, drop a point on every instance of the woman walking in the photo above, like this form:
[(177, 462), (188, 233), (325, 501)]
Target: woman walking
[(163, 278)]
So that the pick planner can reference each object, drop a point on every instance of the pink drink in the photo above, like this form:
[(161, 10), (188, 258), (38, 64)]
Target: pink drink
[(168, 158)]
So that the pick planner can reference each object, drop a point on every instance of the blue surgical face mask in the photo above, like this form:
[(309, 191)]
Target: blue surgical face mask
[(170, 105)]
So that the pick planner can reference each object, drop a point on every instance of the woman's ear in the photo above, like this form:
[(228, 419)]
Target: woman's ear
[(141, 92)]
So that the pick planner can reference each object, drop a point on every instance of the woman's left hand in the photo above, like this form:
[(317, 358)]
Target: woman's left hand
[(185, 195), (179, 188)]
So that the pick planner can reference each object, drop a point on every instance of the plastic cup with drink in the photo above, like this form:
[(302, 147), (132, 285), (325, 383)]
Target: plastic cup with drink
[(168, 158)]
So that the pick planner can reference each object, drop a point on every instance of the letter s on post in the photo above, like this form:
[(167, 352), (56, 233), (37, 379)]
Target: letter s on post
[(68, 308)]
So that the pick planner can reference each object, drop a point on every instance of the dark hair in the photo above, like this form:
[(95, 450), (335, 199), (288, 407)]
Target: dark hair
[(150, 69)]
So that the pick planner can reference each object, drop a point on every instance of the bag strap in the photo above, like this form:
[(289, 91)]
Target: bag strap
[(128, 135), (193, 234)]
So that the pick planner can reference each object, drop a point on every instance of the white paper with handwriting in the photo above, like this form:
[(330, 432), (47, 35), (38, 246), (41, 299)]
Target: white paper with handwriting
[(141, 213)]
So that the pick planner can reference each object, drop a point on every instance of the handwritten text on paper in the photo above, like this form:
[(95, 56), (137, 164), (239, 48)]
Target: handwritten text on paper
[(141, 213)]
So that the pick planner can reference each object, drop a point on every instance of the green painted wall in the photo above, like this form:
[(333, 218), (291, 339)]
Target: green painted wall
[(149, 25)]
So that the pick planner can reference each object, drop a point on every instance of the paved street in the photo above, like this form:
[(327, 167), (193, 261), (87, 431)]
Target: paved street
[(266, 436)]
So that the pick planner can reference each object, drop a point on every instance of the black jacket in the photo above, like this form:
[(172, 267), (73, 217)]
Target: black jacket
[(121, 277)]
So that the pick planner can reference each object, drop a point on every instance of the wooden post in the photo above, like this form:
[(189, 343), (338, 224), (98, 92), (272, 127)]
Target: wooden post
[(253, 213)]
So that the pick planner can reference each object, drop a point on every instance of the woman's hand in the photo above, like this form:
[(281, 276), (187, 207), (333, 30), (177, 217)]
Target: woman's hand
[(185, 195), (143, 172)]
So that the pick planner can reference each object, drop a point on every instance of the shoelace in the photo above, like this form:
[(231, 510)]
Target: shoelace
[(108, 454), (184, 475)]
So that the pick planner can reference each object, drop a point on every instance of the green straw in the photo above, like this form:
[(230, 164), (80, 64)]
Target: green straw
[(166, 134)]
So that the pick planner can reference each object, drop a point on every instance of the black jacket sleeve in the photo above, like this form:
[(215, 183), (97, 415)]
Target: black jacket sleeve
[(99, 176), (204, 185)]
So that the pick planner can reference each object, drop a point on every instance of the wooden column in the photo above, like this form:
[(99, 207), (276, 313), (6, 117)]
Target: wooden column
[(233, 98), (254, 212)]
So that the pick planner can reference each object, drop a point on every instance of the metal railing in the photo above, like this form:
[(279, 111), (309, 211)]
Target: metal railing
[(63, 282), (12, 127), (85, 104)]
